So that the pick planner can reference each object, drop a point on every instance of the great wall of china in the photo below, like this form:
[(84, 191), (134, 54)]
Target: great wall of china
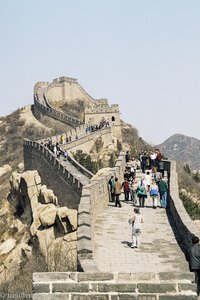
[(84, 193)]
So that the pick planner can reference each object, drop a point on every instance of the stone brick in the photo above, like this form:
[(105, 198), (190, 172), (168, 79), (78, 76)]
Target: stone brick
[(41, 288), (187, 287), (88, 265), (137, 276), (84, 219), (84, 246), (42, 297), (146, 297), (176, 276), (90, 297), (125, 297), (113, 287), (156, 287), (51, 297), (84, 231), (178, 297), (50, 276), (70, 287), (99, 276)]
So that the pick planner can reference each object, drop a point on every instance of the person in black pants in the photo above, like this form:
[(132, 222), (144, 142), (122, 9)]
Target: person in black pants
[(193, 257)]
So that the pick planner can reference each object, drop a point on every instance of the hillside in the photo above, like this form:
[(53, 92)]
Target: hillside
[(182, 148)]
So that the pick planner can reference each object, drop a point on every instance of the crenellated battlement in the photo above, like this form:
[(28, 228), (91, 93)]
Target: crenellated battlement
[(102, 108), (65, 79)]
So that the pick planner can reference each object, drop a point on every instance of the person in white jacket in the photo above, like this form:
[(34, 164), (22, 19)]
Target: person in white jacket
[(136, 221), (154, 193)]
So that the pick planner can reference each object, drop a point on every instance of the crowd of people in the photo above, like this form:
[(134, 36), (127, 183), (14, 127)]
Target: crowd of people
[(152, 183), (95, 127)]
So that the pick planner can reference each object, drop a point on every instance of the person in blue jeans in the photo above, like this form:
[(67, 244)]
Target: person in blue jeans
[(163, 189)]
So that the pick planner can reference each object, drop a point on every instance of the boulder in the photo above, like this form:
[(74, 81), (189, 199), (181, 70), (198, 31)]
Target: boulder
[(72, 217), (66, 219), (12, 263), (5, 169), (63, 254), (47, 196), (48, 215), (14, 182), (20, 167), (36, 219), (45, 239), (7, 246), (30, 185)]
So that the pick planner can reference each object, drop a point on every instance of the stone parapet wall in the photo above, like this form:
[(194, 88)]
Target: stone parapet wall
[(78, 131), (105, 108), (65, 79), (114, 286), (87, 139), (184, 225), (68, 186), (41, 105), (95, 197)]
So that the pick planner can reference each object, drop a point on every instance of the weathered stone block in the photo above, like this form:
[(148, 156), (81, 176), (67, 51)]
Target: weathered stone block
[(84, 219), (178, 297), (84, 231), (176, 276), (41, 288), (70, 287), (95, 276), (84, 246), (156, 287), (187, 287), (124, 297), (90, 297), (137, 276), (146, 297), (113, 287), (50, 276), (88, 265), (51, 296)]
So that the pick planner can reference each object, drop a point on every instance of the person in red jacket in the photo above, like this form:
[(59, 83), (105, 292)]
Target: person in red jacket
[(125, 186)]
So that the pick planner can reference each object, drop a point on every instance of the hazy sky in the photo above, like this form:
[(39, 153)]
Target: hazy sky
[(143, 55)]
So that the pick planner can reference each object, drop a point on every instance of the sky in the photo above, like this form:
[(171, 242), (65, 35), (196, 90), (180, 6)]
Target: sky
[(143, 55)]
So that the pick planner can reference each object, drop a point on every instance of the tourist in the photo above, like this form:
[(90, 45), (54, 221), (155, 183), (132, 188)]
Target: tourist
[(163, 188), (127, 156), (111, 185), (136, 222), (141, 192), (61, 139), (144, 162), (148, 181), (125, 186), (65, 154), (117, 192), (193, 257), (154, 193)]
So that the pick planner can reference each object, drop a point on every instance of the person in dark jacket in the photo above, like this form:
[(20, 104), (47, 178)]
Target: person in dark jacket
[(163, 188), (193, 258)]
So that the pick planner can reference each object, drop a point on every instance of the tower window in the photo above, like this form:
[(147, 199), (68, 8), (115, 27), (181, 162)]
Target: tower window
[(113, 118)]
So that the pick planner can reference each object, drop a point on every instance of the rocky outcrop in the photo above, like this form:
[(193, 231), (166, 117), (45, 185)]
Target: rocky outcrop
[(52, 226), (5, 169), (47, 196)]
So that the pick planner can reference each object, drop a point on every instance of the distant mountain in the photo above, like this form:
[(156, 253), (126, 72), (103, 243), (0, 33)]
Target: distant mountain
[(182, 148)]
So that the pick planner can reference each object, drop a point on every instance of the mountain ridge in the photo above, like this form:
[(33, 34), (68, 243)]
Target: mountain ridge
[(183, 148)]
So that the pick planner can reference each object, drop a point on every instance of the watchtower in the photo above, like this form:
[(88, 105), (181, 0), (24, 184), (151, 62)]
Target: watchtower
[(101, 111)]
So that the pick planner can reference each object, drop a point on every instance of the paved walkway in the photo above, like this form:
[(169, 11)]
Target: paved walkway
[(159, 251)]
